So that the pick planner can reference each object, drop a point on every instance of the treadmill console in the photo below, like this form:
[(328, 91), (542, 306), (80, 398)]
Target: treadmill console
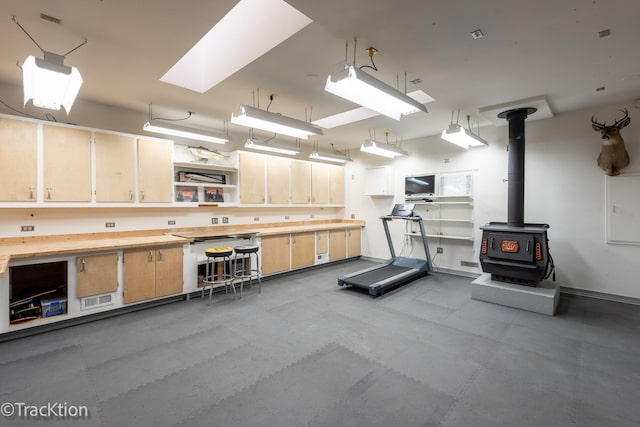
[(403, 209)]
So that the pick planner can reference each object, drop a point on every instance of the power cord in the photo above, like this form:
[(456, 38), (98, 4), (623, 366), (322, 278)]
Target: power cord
[(49, 117), (372, 51)]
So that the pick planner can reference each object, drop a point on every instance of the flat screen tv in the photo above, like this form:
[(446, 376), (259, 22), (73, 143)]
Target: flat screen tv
[(420, 186)]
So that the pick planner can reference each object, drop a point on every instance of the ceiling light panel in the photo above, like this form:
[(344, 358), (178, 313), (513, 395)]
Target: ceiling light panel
[(157, 126), (49, 84), (362, 113), (329, 157), (254, 144), (462, 137), (361, 88), (272, 122), (382, 149), (235, 41)]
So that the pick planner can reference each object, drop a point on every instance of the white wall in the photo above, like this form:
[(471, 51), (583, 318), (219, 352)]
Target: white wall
[(56, 221), (563, 188)]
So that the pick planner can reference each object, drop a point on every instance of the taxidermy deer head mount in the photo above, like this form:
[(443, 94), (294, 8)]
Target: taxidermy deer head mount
[(613, 156)]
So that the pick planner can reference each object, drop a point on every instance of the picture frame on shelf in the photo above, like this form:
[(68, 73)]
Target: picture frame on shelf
[(186, 193), (213, 194)]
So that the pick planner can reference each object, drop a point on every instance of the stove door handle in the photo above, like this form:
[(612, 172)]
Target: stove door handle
[(491, 244), (528, 245)]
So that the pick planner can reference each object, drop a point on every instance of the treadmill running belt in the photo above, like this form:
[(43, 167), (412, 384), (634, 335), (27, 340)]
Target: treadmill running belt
[(364, 280)]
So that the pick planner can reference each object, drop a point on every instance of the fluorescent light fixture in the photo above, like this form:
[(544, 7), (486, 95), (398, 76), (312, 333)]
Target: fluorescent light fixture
[(462, 137), (272, 147), (49, 83), (329, 157), (359, 87), (362, 113), (272, 122), (235, 41), (382, 149), (184, 132)]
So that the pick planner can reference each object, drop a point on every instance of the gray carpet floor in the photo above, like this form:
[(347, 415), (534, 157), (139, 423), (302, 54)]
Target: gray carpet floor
[(305, 352)]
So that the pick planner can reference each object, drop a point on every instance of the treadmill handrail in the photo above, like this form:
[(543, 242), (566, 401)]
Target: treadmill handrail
[(423, 236), (407, 218)]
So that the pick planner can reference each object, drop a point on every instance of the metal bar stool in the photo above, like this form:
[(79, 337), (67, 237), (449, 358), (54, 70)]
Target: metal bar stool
[(247, 265), (213, 278)]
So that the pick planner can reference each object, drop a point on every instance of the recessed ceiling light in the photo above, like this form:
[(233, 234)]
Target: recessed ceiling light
[(235, 41), (477, 34), (604, 33)]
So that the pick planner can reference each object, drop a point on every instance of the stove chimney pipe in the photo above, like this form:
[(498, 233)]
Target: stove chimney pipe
[(515, 214)]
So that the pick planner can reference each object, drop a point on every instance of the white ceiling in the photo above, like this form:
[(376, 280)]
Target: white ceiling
[(531, 48)]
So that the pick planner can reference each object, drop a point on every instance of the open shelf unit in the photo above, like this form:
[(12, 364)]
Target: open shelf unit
[(197, 192), (448, 215)]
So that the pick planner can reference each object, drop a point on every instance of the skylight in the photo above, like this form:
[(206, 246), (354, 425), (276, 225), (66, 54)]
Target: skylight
[(237, 40)]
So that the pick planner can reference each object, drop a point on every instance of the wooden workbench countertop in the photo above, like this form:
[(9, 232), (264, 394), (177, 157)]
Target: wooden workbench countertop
[(270, 229), (38, 246), (62, 246)]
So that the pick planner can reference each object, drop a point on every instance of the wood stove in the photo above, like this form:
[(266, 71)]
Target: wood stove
[(515, 252)]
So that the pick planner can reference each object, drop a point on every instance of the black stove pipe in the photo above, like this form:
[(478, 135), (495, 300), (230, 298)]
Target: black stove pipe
[(515, 213)]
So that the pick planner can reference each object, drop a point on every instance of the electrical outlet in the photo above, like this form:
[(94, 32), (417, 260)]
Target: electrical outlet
[(110, 224), (225, 220), (27, 228), (256, 218), (214, 220), (172, 222), (407, 240), (313, 216), (286, 217), (353, 216), (439, 250)]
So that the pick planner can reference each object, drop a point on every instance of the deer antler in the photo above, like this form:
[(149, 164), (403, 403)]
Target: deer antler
[(596, 124), (626, 114)]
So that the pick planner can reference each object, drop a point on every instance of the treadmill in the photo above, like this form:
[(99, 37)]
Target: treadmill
[(396, 271)]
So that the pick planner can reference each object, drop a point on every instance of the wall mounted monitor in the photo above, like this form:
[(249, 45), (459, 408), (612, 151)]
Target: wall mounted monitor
[(420, 186)]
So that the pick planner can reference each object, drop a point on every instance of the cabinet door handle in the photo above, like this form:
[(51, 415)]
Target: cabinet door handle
[(150, 256), (160, 255), (130, 194), (31, 190), (82, 264), (293, 240), (142, 195), (308, 199), (49, 193), (269, 198)]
